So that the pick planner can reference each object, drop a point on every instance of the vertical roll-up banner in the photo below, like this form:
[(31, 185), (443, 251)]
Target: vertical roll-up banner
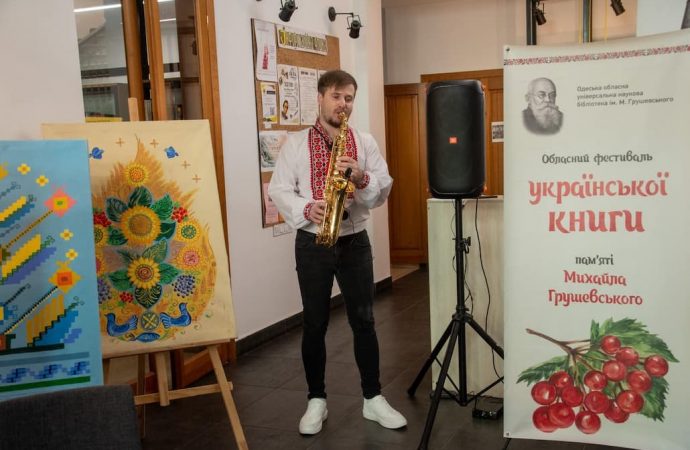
[(597, 247)]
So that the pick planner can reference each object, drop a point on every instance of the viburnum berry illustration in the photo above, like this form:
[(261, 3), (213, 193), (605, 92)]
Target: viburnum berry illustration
[(617, 372)]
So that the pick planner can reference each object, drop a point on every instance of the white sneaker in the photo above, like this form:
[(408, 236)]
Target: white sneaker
[(378, 410), (312, 420)]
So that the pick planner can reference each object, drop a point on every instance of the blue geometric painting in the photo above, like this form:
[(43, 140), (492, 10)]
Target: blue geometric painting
[(49, 330)]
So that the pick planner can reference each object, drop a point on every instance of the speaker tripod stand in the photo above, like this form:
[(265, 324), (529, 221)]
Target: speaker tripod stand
[(455, 332)]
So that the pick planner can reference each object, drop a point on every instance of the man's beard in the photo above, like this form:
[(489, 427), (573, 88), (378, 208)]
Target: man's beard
[(335, 121), (548, 117)]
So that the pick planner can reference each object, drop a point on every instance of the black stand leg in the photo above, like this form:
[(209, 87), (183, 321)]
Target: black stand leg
[(454, 332)]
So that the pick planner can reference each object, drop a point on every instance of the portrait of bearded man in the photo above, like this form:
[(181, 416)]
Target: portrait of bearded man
[(542, 116)]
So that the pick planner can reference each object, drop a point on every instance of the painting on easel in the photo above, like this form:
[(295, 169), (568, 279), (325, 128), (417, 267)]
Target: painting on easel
[(163, 278), (48, 308)]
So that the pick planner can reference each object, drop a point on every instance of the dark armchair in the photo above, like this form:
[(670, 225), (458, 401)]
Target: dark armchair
[(100, 417)]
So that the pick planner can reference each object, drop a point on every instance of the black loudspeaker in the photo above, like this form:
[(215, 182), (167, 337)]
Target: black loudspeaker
[(455, 138)]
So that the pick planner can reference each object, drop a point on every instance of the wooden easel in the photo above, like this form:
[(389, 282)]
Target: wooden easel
[(165, 395)]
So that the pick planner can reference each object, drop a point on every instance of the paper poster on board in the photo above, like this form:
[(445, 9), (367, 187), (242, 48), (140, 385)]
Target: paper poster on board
[(269, 104), (308, 90), (271, 215), (266, 55), (270, 143), (49, 334), (288, 88), (301, 40), (163, 279)]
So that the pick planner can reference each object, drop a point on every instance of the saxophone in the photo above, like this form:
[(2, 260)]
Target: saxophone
[(335, 192)]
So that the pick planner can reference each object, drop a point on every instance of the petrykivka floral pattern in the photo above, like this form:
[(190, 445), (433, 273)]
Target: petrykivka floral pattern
[(155, 266)]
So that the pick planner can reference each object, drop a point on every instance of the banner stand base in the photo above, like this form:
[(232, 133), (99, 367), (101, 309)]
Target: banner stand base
[(488, 408)]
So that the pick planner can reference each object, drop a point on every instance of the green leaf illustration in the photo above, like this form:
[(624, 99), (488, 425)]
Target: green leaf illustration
[(140, 196), (120, 280), (655, 399), (163, 207), (633, 334), (167, 230), (157, 251), (595, 332), (148, 297), (127, 257), (114, 207), (115, 237), (544, 370), (168, 273)]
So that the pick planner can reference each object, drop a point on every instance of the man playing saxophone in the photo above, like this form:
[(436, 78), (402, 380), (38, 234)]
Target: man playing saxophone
[(297, 188)]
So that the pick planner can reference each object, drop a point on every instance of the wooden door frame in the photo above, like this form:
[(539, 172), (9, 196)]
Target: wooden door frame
[(184, 372), (420, 90)]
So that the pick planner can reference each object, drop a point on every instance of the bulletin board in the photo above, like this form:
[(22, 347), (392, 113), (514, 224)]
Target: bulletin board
[(287, 65)]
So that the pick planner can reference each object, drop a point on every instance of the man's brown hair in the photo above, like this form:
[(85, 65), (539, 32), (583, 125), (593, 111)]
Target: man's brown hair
[(337, 78)]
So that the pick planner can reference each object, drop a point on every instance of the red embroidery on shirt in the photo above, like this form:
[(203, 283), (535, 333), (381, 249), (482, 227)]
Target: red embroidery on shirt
[(320, 145), (365, 181), (307, 210)]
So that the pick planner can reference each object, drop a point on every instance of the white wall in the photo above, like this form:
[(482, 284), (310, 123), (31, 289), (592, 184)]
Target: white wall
[(40, 78), (40, 82), (655, 17), (264, 282), (463, 35)]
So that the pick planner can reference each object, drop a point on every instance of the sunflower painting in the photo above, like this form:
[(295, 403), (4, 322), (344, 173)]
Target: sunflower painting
[(162, 271)]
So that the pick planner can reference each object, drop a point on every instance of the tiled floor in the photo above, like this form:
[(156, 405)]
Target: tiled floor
[(270, 393)]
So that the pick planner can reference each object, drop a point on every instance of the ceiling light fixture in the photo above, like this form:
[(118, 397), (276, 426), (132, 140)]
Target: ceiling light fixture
[(354, 23), (539, 15), (617, 6), (287, 8)]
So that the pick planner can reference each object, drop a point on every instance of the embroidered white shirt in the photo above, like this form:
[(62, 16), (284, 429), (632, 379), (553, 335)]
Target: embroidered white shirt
[(300, 172)]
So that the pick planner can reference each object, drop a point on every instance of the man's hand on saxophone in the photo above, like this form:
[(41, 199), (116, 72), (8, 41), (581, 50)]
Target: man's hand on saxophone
[(345, 162), (317, 211)]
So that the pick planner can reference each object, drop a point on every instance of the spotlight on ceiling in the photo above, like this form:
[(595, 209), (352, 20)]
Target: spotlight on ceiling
[(354, 23), (287, 8), (539, 15), (617, 6)]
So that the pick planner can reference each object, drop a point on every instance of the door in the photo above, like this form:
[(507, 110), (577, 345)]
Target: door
[(406, 155)]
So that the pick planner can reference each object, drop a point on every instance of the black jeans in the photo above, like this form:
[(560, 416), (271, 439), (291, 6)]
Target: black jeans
[(351, 263)]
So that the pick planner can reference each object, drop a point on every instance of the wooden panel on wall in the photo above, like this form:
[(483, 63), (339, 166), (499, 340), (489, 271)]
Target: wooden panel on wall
[(406, 155), (495, 149), (492, 81)]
